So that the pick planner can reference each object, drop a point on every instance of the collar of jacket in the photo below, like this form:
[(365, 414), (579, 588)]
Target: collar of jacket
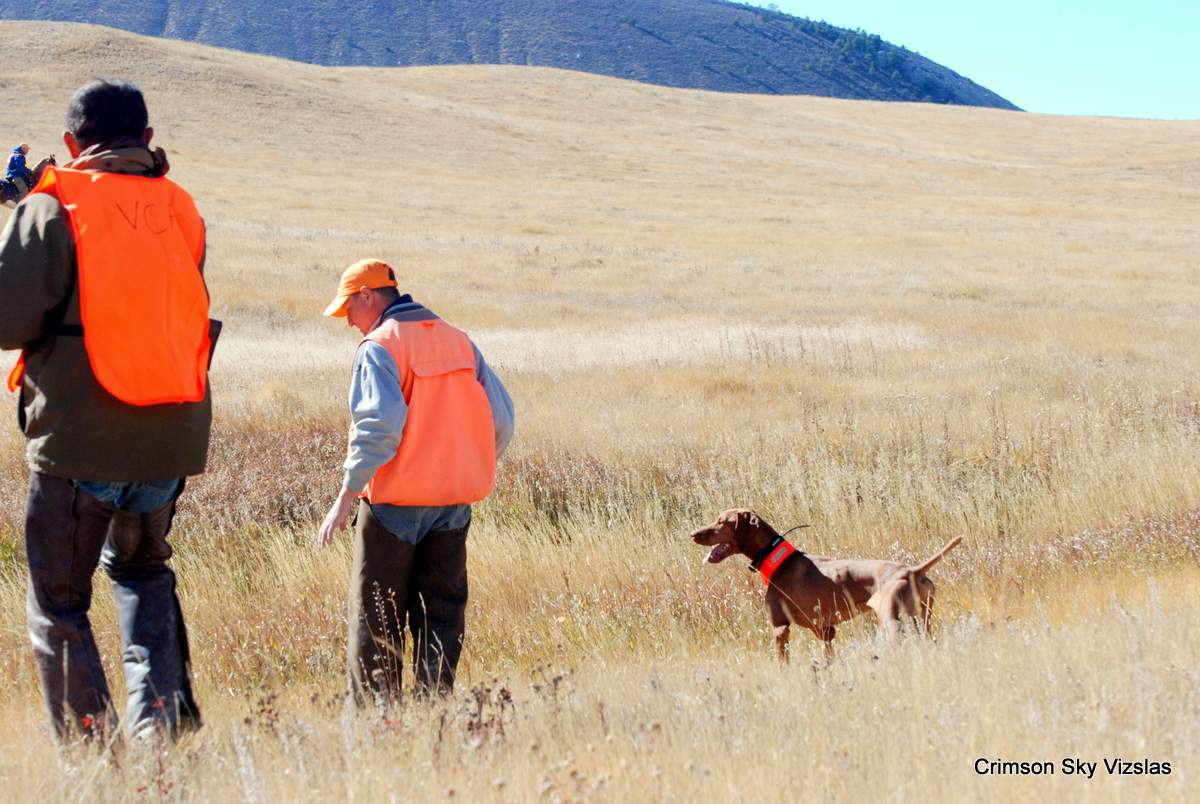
[(123, 156), (403, 309), (405, 299)]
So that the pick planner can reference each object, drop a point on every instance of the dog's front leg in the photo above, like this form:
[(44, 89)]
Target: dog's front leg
[(781, 642), (781, 622), (826, 636)]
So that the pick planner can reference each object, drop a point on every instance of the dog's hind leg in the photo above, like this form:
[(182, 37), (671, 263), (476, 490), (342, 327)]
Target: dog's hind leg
[(889, 602), (925, 607)]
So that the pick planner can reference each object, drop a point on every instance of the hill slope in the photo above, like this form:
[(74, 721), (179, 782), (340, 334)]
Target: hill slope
[(638, 187), (702, 44)]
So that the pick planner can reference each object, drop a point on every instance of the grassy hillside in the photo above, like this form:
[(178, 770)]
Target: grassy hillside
[(896, 322), (704, 44)]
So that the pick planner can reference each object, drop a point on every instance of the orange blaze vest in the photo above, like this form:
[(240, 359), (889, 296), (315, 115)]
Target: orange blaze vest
[(447, 453), (142, 300)]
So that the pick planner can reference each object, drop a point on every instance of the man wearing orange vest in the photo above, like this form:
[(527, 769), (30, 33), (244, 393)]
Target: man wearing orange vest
[(429, 419), (101, 288)]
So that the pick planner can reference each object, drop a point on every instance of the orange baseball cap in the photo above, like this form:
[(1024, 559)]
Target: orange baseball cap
[(362, 274)]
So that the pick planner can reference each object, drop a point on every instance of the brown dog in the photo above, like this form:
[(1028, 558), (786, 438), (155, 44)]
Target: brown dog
[(817, 592)]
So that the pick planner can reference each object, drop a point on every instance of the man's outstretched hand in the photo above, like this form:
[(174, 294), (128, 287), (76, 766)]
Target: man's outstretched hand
[(335, 520)]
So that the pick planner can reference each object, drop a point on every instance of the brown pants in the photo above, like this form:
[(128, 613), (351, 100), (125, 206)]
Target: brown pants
[(392, 582)]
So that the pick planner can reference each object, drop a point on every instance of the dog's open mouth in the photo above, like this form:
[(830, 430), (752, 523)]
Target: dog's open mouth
[(719, 552)]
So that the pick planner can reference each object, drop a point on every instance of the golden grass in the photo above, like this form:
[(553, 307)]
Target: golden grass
[(895, 322)]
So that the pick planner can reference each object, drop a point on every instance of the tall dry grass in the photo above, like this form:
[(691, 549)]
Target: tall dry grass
[(630, 671), (895, 323)]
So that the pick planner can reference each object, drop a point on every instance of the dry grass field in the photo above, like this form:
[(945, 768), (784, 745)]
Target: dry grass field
[(896, 323)]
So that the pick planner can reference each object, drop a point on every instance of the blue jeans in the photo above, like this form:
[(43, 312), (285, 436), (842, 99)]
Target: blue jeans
[(412, 523), (136, 498), (68, 531)]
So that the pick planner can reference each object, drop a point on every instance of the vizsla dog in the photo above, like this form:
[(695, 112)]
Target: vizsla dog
[(816, 592)]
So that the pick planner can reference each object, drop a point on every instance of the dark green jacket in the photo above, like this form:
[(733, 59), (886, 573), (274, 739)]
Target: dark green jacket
[(76, 429)]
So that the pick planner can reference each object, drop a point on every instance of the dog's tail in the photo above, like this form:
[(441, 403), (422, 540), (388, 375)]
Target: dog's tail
[(950, 545)]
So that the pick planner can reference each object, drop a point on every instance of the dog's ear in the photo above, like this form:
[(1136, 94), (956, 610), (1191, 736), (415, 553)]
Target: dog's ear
[(747, 519)]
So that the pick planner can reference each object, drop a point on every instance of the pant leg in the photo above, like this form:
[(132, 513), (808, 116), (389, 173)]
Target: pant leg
[(379, 589), (155, 653), (64, 531), (437, 608)]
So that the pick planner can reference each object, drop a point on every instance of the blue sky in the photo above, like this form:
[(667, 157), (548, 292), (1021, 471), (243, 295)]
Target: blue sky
[(1124, 59)]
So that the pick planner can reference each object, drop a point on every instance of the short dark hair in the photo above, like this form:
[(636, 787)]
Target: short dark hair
[(103, 111)]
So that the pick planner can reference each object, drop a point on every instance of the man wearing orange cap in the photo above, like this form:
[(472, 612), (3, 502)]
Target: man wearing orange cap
[(429, 419)]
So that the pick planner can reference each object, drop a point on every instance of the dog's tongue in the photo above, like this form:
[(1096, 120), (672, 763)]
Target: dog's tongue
[(718, 552)]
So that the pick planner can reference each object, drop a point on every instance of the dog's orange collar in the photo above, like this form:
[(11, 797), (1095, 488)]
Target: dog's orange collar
[(771, 558)]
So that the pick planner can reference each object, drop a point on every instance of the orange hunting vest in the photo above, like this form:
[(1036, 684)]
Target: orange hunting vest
[(447, 453), (142, 300)]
